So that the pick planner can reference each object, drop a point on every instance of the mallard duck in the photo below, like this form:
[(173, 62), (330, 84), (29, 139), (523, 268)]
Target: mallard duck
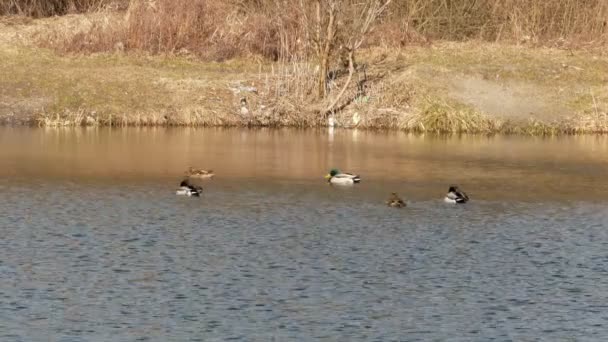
[(199, 173), (188, 189), (455, 195), (336, 177), (395, 201)]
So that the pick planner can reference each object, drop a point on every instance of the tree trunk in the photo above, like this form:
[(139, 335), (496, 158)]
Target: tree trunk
[(325, 43), (323, 70)]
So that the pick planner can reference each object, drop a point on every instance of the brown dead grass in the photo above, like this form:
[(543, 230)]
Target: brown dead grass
[(48, 8), (220, 30), (548, 22), (210, 30)]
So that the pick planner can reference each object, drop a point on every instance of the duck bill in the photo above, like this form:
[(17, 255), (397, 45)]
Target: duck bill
[(327, 176)]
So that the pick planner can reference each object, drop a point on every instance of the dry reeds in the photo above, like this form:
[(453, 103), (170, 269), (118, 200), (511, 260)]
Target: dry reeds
[(525, 21), (47, 8), (438, 117), (441, 117), (209, 29), (221, 29)]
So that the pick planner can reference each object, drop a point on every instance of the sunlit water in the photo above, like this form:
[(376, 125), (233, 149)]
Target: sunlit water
[(95, 246)]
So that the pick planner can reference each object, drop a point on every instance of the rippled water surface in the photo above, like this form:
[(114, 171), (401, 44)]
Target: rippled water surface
[(95, 246)]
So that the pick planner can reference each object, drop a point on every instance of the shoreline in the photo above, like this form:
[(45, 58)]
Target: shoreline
[(444, 87), (531, 129)]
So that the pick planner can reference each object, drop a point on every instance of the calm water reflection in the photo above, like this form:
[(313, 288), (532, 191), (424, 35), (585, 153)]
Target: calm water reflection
[(95, 246)]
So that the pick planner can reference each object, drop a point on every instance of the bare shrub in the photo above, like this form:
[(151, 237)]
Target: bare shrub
[(284, 29), (499, 20), (276, 28), (212, 30)]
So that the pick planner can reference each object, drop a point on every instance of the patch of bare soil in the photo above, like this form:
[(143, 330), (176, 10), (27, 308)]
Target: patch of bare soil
[(510, 99)]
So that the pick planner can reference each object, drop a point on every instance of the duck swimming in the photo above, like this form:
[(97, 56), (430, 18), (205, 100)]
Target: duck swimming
[(188, 189), (455, 195), (336, 177), (395, 201), (199, 173)]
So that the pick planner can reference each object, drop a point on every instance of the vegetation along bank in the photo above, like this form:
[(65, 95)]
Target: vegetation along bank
[(426, 66)]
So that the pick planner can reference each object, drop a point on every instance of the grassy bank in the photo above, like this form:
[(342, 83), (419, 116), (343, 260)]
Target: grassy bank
[(47, 89), (475, 87)]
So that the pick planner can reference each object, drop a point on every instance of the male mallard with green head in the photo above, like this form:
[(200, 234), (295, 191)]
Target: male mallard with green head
[(188, 189), (395, 201), (455, 195), (336, 177), (199, 173)]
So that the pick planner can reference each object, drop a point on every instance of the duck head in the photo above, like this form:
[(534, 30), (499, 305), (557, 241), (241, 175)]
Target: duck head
[(332, 173)]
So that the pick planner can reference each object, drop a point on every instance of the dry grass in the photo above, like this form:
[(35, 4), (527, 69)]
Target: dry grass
[(116, 90), (443, 117), (523, 21), (435, 119), (47, 8), (210, 30), (593, 122), (220, 30)]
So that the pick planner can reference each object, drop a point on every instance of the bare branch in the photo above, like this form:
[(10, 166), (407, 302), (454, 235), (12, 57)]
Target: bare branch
[(318, 26), (368, 15), (373, 12), (351, 72)]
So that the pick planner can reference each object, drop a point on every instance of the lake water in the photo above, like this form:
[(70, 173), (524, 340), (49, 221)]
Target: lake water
[(95, 246)]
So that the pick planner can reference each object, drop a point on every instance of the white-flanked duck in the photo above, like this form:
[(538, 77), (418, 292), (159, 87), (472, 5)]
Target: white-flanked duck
[(455, 195), (336, 177), (188, 189)]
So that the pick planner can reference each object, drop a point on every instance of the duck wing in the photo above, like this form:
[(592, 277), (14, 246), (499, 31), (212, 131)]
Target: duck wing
[(195, 191), (457, 196), (355, 178), (452, 195), (462, 195), (183, 191)]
